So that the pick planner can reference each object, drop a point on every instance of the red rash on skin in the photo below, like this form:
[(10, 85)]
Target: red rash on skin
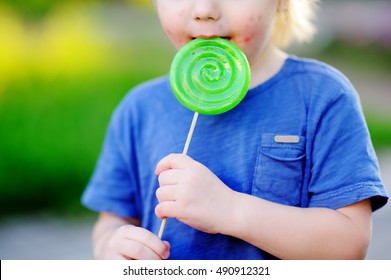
[(246, 39)]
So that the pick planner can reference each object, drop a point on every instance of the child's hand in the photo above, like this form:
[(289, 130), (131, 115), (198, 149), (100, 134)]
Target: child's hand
[(132, 243), (191, 193)]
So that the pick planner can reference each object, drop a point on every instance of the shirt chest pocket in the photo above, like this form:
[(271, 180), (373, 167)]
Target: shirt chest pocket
[(279, 169)]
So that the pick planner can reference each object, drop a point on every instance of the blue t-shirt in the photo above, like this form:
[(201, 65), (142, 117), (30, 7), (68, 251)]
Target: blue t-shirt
[(299, 139)]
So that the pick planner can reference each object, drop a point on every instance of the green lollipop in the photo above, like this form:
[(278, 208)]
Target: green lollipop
[(210, 76)]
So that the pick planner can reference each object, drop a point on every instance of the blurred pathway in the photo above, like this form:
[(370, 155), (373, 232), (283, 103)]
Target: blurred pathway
[(51, 238), (45, 238), (380, 248)]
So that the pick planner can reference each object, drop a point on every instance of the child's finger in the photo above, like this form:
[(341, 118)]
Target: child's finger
[(166, 193), (165, 209), (135, 250), (173, 161), (169, 177), (148, 239)]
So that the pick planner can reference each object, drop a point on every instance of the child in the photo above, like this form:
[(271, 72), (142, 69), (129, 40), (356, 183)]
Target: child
[(289, 173)]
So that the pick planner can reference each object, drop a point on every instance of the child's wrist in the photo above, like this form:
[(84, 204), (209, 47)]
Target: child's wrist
[(228, 219)]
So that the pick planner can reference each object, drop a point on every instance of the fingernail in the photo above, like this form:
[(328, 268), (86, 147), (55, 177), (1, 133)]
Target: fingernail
[(166, 254)]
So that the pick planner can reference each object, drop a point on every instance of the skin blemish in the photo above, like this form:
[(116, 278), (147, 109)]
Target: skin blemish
[(246, 39)]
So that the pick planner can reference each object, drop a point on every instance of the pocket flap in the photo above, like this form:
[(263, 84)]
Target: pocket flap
[(283, 147)]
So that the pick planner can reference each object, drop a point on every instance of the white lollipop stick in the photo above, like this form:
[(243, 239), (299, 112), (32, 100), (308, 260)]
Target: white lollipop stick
[(185, 149)]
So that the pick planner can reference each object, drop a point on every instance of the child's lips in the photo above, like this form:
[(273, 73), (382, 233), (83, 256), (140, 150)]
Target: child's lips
[(211, 37)]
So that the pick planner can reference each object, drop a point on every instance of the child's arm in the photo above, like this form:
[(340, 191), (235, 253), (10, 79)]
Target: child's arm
[(194, 195), (302, 233), (115, 237)]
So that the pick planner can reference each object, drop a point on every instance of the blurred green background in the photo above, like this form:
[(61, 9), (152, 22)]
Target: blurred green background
[(65, 65)]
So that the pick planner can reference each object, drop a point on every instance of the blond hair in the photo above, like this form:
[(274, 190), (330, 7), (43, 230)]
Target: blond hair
[(294, 22)]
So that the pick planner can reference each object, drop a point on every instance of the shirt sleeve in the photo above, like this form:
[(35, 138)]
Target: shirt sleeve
[(344, 167), (113, 185)]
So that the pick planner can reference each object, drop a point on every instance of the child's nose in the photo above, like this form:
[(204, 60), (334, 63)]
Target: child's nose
[(204, 10)]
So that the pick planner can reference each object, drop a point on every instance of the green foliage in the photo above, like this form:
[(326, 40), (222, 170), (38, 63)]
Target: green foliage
[(33, 8), (367, 56), (380, 129), (50, 139), (37, 9), (51, 135)]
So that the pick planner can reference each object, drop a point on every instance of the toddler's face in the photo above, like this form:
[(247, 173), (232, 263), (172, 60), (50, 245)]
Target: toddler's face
[(247, 23)]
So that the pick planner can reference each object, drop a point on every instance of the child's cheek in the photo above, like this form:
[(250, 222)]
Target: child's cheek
[(178, 40), (253, 30)]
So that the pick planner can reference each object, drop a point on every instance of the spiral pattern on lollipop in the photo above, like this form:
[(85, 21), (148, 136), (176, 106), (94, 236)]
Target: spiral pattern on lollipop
[(210, 76)]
